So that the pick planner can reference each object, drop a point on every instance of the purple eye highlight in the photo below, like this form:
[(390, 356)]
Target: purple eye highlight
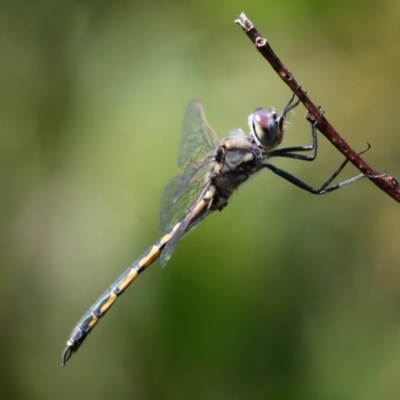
[(265, 128)]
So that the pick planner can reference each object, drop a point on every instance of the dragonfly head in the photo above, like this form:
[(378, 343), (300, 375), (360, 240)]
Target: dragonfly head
[(266, 128)]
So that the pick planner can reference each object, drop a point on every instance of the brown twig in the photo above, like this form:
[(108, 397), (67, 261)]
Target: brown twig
[(387, 183)]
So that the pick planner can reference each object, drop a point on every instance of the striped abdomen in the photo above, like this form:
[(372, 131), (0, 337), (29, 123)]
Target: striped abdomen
[(104, 303)]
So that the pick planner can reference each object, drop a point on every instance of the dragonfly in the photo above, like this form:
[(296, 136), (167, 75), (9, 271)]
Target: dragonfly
[(212, 171)]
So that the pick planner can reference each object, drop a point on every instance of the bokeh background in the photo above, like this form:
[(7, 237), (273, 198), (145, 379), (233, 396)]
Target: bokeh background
[(284, 295)]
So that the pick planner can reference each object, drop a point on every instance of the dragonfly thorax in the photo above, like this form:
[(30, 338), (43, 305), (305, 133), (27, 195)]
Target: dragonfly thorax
[(240, 159), (265, 128)]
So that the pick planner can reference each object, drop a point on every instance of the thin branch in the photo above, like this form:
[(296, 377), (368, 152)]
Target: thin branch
[(387, 183)]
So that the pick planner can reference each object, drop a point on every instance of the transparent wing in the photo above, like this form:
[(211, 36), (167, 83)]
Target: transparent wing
[(197, 136), (173, 211), (196, 213), (198, 146)]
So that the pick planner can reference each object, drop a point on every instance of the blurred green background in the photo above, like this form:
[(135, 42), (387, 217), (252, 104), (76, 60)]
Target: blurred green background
[(284, 295)]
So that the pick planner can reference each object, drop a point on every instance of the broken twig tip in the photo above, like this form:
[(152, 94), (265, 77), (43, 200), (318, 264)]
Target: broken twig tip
[(244, 22)]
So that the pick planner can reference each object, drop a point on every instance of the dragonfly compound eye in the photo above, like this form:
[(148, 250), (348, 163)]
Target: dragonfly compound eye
[(264, 128)]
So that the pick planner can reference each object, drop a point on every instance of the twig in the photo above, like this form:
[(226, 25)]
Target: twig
[(387, 183)]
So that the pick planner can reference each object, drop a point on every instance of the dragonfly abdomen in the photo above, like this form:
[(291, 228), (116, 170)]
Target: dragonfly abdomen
[(108, 298)]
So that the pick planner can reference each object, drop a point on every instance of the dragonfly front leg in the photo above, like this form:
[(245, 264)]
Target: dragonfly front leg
[(288, 151), (324, 188)]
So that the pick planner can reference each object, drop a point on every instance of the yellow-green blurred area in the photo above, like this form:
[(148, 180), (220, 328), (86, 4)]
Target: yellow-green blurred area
[(283, 295)]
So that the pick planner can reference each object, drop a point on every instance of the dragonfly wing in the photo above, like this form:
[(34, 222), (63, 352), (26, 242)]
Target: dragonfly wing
[(196, 213), (197, 136), (198, 145), (174, 208)]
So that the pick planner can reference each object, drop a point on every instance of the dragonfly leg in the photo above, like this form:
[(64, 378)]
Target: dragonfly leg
[(287, 152), (324, 188), (291, 104)]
